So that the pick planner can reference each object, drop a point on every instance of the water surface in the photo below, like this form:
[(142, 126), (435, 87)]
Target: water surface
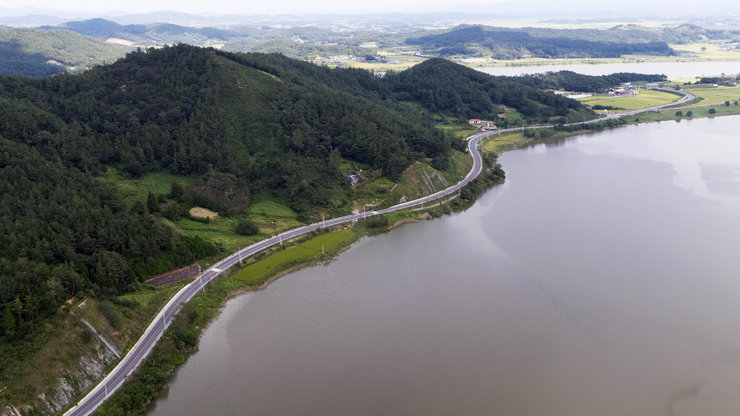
[(671, 69), (601, 279)]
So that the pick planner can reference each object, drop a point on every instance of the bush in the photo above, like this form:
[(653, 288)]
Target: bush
[(441, 163), (111, 313), (689, 113), (246, 227), (712, 111), (377, 221), (679, 113), (171, 210)]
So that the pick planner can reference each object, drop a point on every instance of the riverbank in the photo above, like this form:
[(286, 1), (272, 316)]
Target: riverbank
[(181, 339)]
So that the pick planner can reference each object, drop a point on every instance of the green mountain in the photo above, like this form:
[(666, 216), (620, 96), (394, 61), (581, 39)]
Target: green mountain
[(510, 43), (452, 89), (156, 34), (39, 53), (184, 110), (239, 125)]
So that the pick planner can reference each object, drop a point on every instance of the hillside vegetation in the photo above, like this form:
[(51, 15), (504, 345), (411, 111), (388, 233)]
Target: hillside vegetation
[(157, 34), (225, 130), (39, 53), (508, 43)]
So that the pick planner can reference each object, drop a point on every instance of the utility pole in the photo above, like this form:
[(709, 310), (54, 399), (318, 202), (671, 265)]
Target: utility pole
[(322, 250)]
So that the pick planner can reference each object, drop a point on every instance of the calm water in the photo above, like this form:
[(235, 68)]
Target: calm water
[(670, 69), (602, 279)]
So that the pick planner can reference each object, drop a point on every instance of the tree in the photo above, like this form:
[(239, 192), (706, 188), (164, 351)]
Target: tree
[(8, 323), (171, 210), (712, 111), (246, 227), (689, 113), (679, 113), (177, 192), (152, 202)]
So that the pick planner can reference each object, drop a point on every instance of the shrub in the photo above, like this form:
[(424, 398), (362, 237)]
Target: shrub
[(441, 163), (111, 313), (377, 221), (246, 227)]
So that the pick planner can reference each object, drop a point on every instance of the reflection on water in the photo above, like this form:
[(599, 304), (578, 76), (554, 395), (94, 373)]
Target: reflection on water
[(601, 279), (670, 69)]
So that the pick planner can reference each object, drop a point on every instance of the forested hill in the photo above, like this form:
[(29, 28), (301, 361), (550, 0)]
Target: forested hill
[(443, 86), (245, 124), (64, 230), (573, 81), (40, 53), (509, 43)]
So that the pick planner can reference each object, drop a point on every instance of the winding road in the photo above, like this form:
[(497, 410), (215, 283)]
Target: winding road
[(159, 324)]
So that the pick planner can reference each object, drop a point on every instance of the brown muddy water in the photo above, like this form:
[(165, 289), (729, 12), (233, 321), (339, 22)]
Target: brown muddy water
[(602, 279)]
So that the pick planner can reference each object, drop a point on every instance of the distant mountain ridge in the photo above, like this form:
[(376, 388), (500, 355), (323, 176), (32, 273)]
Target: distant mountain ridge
[(157, 34), (510, 43), (40, 53)]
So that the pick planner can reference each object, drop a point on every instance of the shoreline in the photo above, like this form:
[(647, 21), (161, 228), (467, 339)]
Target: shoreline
[(197, 314), (206, 306)]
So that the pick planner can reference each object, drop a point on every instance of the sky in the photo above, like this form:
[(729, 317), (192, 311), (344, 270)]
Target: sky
[(241, 6), (214, 7)]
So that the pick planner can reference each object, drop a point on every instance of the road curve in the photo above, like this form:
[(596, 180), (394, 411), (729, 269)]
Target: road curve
[(161, 321)]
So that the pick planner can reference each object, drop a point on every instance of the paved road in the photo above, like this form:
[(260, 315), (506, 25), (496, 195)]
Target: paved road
[(159, 324)]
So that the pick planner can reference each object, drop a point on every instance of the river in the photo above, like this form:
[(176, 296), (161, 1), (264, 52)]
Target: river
[(672, 70), (603, 278)]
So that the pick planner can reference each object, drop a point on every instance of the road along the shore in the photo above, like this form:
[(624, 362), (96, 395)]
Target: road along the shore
[(116, 377)]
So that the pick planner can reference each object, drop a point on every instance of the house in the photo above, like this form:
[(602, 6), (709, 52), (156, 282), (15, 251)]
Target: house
[(474, 121)]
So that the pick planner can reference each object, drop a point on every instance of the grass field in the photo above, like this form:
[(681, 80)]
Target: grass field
[(713, 95), (137, 189), (220, 230), (646, 98), (304, 251), (670, 114), (272, 209), (503, 142)]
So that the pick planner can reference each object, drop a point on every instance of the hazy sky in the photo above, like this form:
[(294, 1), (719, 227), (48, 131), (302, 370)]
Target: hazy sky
[(242, 6), (728, 8)]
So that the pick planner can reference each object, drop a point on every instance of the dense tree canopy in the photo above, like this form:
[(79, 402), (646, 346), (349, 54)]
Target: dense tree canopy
[(572, 81), (246, 124), (443, 86), (508, 43)]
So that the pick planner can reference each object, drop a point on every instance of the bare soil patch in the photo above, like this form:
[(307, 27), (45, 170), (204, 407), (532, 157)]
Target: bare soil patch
[(200, 212)]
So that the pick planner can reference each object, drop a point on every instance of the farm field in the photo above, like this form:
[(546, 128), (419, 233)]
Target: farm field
[(646, 98), (300, 252), (713, 95)]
